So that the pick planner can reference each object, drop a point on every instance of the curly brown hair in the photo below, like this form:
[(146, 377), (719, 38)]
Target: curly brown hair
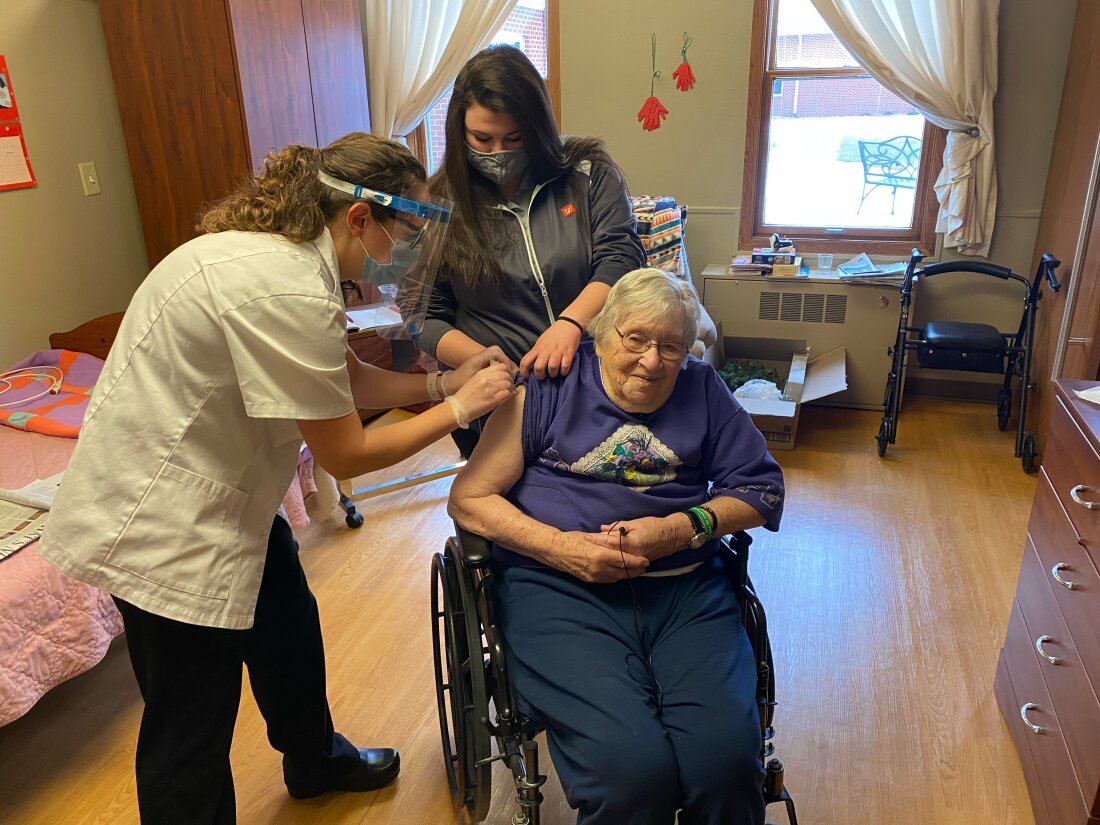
[(287, 199)]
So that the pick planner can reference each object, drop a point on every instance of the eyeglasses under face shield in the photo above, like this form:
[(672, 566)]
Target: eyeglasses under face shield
[(418, 227)]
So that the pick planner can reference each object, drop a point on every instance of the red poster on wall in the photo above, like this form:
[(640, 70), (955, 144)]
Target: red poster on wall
[(15, 164)]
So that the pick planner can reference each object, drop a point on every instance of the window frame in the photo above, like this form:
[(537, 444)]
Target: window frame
[(753, 231), (418, 137)]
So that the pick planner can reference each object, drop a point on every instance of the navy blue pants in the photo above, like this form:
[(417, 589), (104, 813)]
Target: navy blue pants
[(190, 679), (647, 710)]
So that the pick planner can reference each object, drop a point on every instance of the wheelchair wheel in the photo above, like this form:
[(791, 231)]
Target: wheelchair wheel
[(1004, 409), (460, 687), (883, 437)]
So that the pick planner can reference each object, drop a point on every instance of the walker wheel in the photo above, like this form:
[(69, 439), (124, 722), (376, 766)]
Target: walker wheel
[(1004, 409), (1027, 454), (354, 520), (883, 437)]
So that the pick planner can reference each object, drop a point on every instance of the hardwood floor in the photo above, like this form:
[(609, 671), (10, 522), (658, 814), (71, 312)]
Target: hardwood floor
[(888, 591)]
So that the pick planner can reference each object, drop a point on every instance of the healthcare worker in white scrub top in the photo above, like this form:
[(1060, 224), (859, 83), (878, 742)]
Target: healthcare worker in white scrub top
[(232, 351)]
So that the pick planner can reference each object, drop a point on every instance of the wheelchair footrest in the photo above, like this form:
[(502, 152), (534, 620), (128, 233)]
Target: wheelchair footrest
[(958, 345)]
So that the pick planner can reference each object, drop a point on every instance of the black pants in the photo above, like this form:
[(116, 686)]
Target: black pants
[(190, 679)]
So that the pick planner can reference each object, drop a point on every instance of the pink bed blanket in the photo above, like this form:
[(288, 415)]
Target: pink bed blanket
[(52, 627), (60, 412)]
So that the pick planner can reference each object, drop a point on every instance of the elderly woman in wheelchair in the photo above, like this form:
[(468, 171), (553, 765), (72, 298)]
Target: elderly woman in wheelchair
[(604, 494)]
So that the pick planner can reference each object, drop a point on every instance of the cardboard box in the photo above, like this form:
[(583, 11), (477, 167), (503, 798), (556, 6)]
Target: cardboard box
[(803, 377)]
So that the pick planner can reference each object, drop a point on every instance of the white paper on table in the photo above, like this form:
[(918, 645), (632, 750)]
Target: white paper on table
[(38, 494), (373, 317), (1092, 395), (13, 163)]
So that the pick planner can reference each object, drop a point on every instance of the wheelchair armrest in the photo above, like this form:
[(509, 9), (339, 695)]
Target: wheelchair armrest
[(734, 552), (476, 551)]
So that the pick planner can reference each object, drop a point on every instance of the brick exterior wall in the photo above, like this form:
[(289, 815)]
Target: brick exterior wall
[(832, 96), (529, 24)]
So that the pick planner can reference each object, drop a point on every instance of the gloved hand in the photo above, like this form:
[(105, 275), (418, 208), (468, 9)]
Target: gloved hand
[(482, 393)]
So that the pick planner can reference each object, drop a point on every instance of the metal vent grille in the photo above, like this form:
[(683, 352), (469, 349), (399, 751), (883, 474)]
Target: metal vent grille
[(769, 306), (836, 309), (790, 306), (813, 308)]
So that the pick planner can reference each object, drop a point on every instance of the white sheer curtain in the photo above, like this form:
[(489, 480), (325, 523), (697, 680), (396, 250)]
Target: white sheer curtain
[(415, 49), (941, 56)]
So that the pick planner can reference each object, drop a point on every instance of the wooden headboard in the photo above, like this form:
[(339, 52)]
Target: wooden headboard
[(93, 337)]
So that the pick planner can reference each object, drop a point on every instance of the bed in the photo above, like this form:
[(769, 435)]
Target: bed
[(53, 627)]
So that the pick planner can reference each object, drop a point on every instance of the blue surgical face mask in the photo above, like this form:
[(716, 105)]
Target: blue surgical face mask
[(499, 167), (401, 262)]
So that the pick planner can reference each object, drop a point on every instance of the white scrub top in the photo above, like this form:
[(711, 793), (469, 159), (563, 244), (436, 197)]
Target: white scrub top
[(190, 440)]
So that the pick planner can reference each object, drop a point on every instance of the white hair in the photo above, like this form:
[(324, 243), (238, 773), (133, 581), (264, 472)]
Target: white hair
[(648, 293)]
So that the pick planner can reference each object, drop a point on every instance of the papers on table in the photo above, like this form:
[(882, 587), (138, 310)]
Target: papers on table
[(376, 316), (23, 513), (861, 270)]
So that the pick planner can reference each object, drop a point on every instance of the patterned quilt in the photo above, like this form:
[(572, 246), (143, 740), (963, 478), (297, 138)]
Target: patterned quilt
[(50, 393)]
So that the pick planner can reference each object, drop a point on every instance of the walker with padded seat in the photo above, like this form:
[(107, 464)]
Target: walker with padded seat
[(958, 345)]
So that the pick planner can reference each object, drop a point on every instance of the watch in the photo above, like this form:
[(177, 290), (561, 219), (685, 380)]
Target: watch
[(700, 536)]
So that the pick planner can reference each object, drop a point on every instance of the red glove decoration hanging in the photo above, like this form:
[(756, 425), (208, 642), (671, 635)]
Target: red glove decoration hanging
[(685, 78), (651, 114)]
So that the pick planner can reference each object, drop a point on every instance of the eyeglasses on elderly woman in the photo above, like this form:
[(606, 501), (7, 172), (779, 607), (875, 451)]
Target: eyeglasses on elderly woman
[(638, 343)]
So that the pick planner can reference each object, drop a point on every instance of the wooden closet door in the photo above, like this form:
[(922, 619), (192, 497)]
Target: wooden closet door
[(269, 40), (337, 69), (178, 97)]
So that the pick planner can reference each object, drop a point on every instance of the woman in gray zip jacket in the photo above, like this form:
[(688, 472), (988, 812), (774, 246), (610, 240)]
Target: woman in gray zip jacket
[(541, 227)]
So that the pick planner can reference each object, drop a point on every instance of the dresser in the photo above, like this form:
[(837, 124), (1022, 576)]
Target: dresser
[(1049, 670)]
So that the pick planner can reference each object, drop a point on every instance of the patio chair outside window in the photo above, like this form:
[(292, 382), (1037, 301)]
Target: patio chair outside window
[(892, 163)]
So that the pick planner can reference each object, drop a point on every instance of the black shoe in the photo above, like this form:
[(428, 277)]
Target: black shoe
[(377, 768)]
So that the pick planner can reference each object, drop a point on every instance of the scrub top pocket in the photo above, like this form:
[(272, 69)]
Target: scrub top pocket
[(199, 560)]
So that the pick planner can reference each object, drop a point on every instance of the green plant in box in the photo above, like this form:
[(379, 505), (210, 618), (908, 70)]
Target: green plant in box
[(738, 371)]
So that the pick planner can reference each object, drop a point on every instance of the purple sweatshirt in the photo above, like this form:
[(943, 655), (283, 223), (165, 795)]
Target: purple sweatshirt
[(589, 463)]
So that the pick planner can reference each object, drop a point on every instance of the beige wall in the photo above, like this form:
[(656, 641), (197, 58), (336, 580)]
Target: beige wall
[(698, 154), (64, 257)]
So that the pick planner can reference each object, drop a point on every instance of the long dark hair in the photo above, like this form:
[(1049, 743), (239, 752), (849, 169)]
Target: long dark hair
[(503, 80)]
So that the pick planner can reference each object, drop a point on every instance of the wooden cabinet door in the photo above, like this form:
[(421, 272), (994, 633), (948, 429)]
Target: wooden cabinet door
[(337, 68), (273, 67)]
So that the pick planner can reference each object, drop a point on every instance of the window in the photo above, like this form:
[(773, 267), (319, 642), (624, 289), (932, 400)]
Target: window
[(531, 28), (833, 158)]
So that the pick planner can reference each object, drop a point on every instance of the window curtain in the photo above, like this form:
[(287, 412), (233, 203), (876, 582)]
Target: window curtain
[(941, 56), (415, 49)]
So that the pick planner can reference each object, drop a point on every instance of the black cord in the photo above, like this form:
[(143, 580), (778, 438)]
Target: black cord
[(639, 621)]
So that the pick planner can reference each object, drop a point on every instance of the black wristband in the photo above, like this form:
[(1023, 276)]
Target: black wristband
[(713, 518), (569, 320)]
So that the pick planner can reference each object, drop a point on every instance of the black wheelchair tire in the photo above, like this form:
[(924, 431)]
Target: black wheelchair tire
[(449, 687)]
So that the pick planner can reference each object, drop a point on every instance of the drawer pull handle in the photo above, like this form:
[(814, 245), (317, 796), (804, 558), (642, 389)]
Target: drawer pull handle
[(1042, 640), (1023, 715), (1075, 494), (1066, 583)]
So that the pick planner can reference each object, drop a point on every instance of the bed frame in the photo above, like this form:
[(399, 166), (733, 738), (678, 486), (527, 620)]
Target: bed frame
[(93, 337)]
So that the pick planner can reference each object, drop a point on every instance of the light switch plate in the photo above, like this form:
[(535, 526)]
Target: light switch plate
[(89, 178)]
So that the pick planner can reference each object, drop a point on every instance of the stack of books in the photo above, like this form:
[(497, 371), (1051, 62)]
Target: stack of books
[(785, 267)]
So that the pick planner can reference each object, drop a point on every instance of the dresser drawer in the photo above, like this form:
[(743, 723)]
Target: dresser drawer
[(1057, 544), (1073, 467), (1010, 709), (1066, 682), (1053, 770)]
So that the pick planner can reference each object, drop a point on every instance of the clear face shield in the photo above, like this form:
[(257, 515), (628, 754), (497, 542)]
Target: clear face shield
[(404, 285)]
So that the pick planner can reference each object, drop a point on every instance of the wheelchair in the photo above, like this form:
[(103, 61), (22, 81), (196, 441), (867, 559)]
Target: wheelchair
[(470, 674), (954, 345)]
